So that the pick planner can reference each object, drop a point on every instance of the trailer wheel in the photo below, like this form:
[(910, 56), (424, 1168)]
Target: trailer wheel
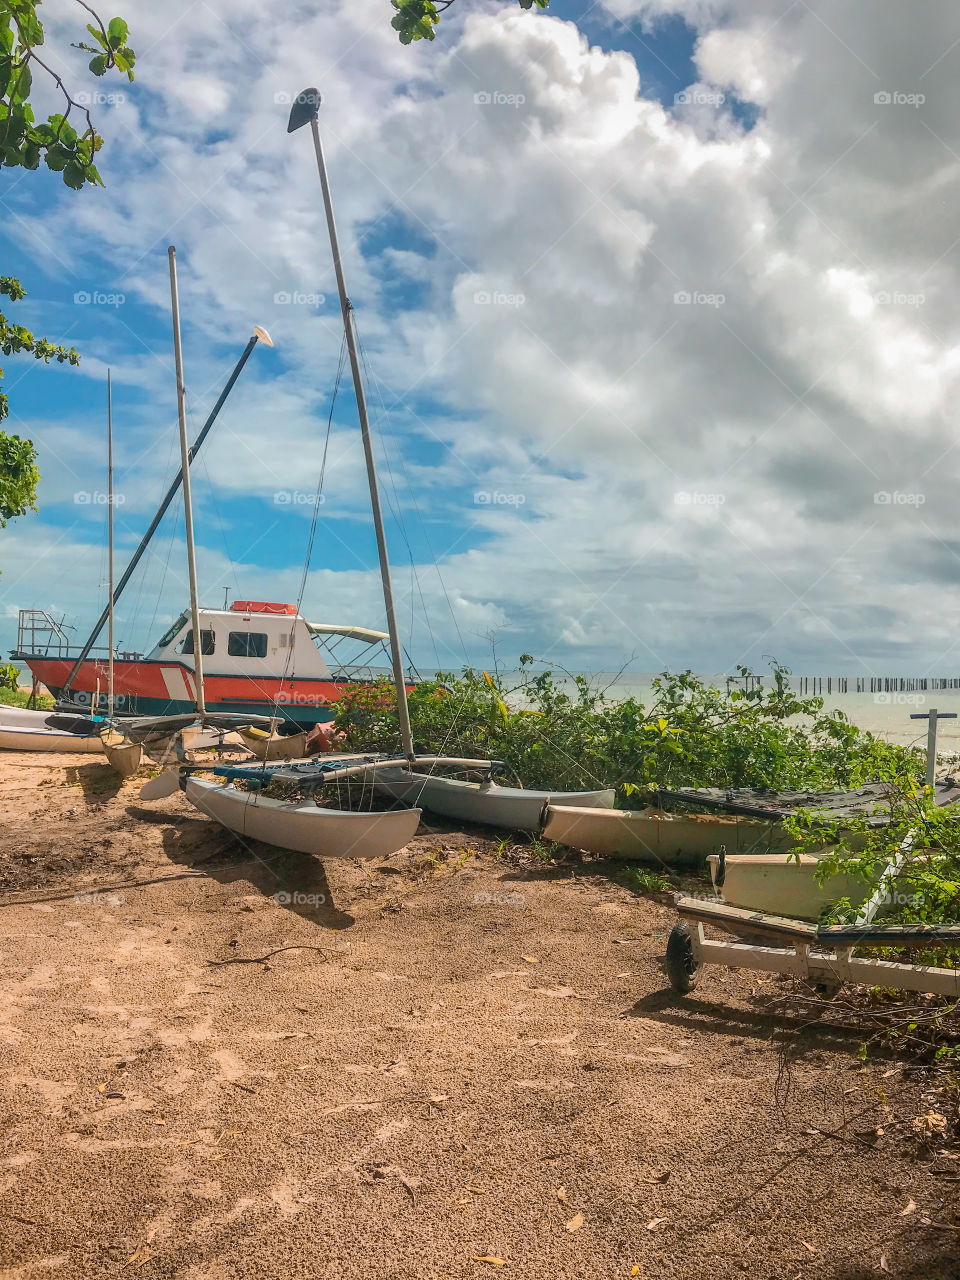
[(682, 966)]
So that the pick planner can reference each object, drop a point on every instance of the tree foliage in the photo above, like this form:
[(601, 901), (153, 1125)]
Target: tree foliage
[(18, 477), (416, 19), (24, 141)]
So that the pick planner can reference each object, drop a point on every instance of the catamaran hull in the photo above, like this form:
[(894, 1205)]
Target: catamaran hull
[(324, 833), (15, 739), (24, 730), (648, 835), (510, 807)]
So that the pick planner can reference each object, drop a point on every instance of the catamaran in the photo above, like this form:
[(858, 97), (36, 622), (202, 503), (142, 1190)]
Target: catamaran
[(409, 778)]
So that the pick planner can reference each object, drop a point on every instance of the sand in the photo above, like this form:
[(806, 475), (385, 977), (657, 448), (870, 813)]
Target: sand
[(459, 1059)]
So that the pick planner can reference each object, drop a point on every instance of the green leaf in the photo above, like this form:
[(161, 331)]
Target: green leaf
[(57, 157), (74, 176), (117, 32), (98, 36), (98, 65)]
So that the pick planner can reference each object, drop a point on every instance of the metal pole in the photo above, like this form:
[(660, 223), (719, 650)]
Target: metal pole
[(110, 545), (185, 471), (259, 335), (306, 108), (932, 746)]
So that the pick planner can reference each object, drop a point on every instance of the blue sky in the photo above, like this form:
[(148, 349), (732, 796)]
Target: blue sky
[(582, 410)]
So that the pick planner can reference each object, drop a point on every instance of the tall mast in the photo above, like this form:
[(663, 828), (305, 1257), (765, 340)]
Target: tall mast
[(110, 546), (259, 335), (305, 110), (185, 471)]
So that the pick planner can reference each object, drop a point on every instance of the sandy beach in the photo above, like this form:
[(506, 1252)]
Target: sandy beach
[(446, 1064)]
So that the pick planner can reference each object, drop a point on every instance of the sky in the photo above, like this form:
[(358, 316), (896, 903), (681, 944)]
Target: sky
[(658, 304)]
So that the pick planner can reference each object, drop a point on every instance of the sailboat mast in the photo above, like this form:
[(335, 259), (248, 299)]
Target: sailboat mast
[(185, 472), (306, 107), (110, 546)]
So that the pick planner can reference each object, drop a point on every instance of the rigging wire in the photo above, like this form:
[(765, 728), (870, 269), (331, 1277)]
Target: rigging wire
[(372, 378)]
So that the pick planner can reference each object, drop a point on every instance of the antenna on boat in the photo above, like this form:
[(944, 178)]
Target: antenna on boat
[(305, 110), (110, 546), (259, 335), (185, 471)]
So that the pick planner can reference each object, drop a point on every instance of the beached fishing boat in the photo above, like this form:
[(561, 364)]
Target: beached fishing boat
[(485, 802), (275, 746), (262, 658), (25, 730), (652, 835)]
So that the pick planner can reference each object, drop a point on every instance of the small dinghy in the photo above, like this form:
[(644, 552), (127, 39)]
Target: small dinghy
[(275, 746), (484, 802), (305, 828), (124, 756), (23, 730), (651, 835), (782, 886)]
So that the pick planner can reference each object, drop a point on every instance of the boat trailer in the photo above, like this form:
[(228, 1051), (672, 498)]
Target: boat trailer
[(822, 955)]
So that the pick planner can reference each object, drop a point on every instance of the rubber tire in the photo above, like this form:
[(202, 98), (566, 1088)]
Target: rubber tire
[(681, 967)]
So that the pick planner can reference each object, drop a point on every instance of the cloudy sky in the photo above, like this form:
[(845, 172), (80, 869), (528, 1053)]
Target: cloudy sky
[(658, 300)]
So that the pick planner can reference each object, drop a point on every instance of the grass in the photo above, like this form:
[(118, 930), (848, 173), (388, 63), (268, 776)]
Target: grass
[(21, 698)]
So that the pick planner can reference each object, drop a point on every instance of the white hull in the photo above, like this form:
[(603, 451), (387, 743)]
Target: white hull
[(649, 835), (778, 887), (23, 739), (510, 807), (325, 833)]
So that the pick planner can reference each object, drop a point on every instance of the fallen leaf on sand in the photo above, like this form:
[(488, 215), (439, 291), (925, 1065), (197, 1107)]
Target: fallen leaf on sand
[(931, 1122), (576, 1222), (101, 1088), (140, 1257), (911, 1205), (808, 1246), (883, 1262), (654, 1222), (491, 1258), (439, 1097), (660, 1177), (634, 1270), (530, 959), (562, 1194), (159, 1120)]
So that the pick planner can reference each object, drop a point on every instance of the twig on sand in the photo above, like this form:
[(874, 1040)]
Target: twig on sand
[(264, 959)]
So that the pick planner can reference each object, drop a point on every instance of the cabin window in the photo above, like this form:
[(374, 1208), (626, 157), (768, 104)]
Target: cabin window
[(247, 644), (207, 643), (172, 634)]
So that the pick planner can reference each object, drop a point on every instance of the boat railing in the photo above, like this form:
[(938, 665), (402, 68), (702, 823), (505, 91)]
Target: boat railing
[(40, 635)]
